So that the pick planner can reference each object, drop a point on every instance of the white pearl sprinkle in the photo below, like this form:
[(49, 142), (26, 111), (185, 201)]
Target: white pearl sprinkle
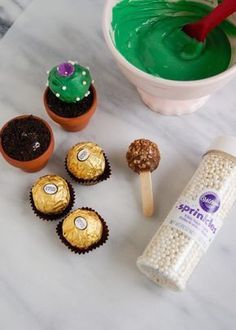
[(84, 73), (84, 82), (71, 62), (92, 81), (172, 255), (77, 98), (64, 88), (88, 67), (47, 83), (57, 95), (48, 71)]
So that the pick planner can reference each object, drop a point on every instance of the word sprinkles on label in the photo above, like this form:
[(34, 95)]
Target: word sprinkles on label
[(198, 219)]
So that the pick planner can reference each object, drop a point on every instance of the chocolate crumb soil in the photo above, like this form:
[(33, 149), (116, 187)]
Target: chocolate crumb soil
[(25, 138), (69, 110)]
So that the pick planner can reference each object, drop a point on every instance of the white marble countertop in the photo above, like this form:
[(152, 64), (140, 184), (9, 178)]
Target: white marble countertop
[(9, 11), (43, 286)]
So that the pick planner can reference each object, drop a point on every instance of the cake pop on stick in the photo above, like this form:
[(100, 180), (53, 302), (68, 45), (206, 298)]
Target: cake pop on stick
[(143, 157)]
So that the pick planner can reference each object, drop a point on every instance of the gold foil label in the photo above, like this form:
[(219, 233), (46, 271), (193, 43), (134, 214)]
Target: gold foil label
[(50, 188), (83, 155), (80, 223)]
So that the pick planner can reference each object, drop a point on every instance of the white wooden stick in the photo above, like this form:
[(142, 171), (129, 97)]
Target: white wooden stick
[(146, 193)]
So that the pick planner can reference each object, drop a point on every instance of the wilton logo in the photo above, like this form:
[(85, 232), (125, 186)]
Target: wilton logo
[(209, 202)]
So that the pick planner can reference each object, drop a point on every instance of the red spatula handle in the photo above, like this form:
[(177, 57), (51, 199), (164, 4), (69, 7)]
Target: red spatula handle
[(200, 29)]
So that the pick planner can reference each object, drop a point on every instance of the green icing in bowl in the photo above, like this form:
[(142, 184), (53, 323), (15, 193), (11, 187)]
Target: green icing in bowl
[(148, 33)]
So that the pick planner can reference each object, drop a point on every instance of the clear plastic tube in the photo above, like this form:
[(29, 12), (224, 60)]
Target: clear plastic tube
[(192, 224)]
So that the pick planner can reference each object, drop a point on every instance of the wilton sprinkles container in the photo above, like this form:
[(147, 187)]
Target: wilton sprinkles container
[(194, 221)]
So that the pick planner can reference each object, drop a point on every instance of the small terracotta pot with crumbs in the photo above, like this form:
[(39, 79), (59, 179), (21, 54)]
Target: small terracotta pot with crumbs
[(70, 98), (27, 142)]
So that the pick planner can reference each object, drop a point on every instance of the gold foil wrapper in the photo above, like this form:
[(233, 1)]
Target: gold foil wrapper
[(51, 194), (86, 161), (82, 228)]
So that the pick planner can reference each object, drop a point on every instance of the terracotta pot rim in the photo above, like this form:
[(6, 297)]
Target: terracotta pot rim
[(69, 119), (16, 161)]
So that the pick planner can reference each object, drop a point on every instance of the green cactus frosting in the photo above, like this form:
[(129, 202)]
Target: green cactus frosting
[(69, 81)]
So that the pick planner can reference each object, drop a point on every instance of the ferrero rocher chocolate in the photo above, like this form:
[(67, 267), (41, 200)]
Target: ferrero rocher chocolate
[(86, 161), (82, 228), (51, 194)]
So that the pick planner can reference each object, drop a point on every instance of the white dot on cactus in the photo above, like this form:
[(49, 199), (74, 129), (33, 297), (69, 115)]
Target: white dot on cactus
[(64, 88), (48, 71), (88, 67), (84, 73), (84, 82), (57, 95), (77, 98)]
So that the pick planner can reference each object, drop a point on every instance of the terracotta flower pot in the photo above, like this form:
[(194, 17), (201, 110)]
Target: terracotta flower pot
[(72, 124), (33, 165)]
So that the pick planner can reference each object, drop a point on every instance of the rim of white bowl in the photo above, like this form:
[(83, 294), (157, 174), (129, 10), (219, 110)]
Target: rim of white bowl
[(154, 79)]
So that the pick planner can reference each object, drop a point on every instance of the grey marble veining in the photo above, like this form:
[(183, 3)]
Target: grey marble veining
[(9, 11), (43, 286)]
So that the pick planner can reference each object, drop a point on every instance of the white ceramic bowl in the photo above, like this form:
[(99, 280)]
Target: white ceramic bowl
[(169, 97)]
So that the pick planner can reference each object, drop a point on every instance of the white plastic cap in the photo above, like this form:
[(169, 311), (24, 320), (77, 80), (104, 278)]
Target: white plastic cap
[(224, 143)]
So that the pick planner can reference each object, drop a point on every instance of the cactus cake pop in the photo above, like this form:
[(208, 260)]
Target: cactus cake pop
[(143, 157), (70, 82), (70, 98)]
